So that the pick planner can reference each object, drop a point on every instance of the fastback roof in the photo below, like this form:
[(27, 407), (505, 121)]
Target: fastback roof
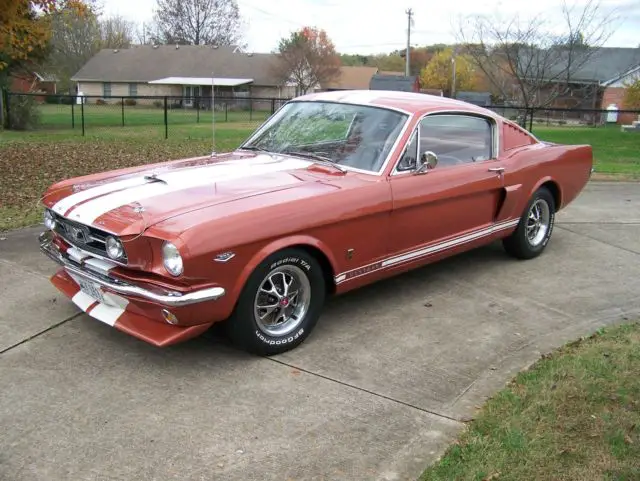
[(411, 102)]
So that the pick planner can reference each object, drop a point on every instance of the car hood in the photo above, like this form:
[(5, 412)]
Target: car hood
[(129, 203)]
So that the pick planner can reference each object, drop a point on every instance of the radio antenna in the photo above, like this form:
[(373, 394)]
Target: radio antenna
[(213, 116)]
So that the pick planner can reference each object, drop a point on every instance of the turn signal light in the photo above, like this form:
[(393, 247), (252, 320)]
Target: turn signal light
[(169, 317)]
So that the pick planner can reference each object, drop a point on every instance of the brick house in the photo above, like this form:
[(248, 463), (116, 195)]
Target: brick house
[(598, 83), (33, 82), (614, 91), (183, 72)]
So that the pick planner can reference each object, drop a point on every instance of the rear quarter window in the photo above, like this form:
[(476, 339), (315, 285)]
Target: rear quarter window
[(513, 137)]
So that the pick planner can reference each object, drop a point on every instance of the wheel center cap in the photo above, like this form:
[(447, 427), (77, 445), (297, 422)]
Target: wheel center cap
[(284, 302)]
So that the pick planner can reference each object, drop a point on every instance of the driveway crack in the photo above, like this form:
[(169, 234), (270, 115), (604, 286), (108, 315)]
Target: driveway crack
[(367, 391), (38, 334)]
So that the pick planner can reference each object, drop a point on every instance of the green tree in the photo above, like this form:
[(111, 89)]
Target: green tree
[(438, 73), (632, 95), (25, 28)]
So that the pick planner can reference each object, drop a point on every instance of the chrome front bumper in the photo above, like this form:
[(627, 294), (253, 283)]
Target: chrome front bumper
[(167, 298)]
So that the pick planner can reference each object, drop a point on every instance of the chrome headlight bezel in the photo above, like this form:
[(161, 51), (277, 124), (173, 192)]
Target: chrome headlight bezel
[(114, 248), (49, 219), (171, 259)]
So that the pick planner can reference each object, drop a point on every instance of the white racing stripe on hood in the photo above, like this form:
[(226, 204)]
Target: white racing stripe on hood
[(63, 205), (182, 180)]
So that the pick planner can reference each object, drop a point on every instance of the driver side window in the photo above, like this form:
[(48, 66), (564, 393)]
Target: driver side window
[(409, 158), (456, 138)]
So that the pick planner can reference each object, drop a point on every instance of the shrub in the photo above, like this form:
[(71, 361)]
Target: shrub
[(158, 104), (24, 112), (101, 102), (60, 99), (130, 102)]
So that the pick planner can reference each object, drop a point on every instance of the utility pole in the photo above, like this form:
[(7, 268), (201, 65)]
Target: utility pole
[(407, 70)]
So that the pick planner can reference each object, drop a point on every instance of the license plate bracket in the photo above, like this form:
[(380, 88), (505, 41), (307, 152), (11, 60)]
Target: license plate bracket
[(91, 289)]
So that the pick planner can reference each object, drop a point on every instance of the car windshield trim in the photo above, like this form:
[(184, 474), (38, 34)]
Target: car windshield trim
[(404, 122)]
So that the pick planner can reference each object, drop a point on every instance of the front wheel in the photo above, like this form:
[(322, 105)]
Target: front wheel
[(280, 303), (535, 227)]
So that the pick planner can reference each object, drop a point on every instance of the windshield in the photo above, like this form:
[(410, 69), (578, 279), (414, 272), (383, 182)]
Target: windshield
[(356, 136)]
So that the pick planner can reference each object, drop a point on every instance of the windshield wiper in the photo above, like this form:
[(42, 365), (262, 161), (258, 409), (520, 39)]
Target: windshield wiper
[(255, 148), (318, 158)]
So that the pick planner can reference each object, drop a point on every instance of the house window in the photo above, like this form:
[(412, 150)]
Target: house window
[(106, 89), (133, 90)]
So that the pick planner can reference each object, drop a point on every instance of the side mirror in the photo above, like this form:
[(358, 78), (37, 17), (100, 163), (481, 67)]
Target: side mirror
[(428, 160)]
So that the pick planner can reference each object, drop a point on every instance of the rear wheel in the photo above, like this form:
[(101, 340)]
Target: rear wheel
[(280, 303), (535, 227)]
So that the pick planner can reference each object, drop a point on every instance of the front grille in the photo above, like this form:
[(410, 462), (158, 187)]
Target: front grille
[(83, 236)]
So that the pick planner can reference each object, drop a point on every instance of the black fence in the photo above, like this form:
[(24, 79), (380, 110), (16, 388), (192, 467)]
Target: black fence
[(164, 116), (195, 117), (532, 117)]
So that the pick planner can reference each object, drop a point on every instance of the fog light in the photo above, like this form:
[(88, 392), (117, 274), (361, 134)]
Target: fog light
[(169, 317)]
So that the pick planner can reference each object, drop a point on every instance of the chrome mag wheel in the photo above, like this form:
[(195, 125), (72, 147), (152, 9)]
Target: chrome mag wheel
[(282, 300), (538, 222)]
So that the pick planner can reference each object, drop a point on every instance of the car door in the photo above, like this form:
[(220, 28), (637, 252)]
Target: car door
[(455, 202)]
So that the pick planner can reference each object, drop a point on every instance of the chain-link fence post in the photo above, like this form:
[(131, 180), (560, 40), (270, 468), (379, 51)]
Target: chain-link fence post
[(122, 104), (82, 113), (3, 102), (73, 113), (198, 109), (8, 109), (226, 112), (166, 119)]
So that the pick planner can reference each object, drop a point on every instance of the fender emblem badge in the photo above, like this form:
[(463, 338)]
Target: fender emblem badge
[(224, 257)]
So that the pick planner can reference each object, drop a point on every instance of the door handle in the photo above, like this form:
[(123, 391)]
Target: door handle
[(500, 170)]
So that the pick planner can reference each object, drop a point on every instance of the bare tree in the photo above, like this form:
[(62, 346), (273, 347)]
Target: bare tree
[(75, 38), (116, 32), (307, 58), (197, 22), (527, 58)]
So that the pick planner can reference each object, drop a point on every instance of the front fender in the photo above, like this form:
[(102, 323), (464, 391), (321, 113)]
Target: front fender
[(275, 246)]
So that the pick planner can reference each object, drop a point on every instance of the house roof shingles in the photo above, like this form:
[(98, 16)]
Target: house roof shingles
[(602, 65), (145, 63), (353, 78)]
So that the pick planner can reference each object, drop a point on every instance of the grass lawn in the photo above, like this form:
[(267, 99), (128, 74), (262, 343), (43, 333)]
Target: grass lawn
[(575, 415), (113, 115), (36, 159), (615, 152), (32, 161)]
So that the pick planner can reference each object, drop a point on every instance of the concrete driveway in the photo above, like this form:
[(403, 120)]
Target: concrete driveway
[(383, 385)]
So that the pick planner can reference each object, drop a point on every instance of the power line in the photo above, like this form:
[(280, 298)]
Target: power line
[(272, 15)]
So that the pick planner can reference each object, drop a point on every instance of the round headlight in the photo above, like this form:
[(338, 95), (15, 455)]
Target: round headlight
[(115, 250), (49, 219), (172, 259)]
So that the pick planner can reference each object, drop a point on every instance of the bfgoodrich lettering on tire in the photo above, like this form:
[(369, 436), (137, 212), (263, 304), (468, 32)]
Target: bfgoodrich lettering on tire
[(535, 227), (280, 303)]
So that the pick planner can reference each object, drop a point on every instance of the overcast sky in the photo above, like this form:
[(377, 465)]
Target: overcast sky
[(371, 26)]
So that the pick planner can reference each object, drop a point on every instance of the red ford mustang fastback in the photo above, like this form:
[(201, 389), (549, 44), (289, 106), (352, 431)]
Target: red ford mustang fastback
[(336, 190)]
